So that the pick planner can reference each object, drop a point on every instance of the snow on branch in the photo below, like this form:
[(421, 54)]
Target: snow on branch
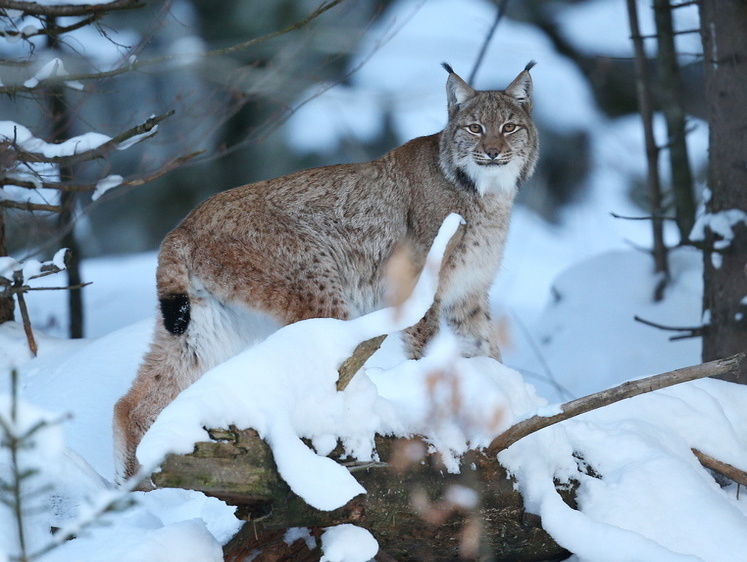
[(88, 146), (14, 281), (99, 188), (722, 224)]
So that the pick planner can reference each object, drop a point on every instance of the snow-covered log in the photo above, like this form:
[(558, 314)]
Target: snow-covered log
[(414, 508)]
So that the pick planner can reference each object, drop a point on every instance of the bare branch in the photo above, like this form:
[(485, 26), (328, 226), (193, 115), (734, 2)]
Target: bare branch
[(61, 10), (59, 30), (139, 64), (353, 363), (649, 218), (503, 4), (731, 472), (692, 332), (610, 396), (29, 206), (323, 7)]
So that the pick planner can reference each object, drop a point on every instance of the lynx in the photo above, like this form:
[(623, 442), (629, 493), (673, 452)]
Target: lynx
[(316, 244)]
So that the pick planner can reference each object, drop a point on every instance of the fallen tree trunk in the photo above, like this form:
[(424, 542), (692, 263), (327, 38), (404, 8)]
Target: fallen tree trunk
[(413, 506)]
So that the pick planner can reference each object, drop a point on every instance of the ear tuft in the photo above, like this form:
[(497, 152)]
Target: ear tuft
[(530, 65), (521, 88), (457, 91)]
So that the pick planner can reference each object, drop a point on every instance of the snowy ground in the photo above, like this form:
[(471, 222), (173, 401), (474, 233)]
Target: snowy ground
[(652, 501)]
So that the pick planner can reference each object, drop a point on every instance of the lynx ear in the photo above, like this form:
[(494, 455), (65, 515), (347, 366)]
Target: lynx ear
[(521, 88), (457, 90)]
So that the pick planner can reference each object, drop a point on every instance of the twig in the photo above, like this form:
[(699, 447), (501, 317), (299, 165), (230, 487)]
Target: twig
[(29, 206), (139, 64), (693, 332), (610, 396), (323, 7), (26, 320), (549, 375), (352, 364), (48, 31), (49, 10), (483, 49), (649, 218), (731, 472)]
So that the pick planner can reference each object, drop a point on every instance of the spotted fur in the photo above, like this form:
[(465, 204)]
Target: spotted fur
[(316, 244)]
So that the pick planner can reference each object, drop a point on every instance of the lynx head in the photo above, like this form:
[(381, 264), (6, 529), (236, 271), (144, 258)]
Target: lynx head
[(490, 143)]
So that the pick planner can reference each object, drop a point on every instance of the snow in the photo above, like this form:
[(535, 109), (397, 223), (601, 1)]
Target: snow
[(30, 268), (649, 498), (105, 184), (20, 135), (348, 543), (124, 145), (721, 223)]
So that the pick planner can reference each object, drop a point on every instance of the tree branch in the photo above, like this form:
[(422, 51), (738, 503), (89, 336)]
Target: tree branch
[(692, 332), (53, 31), (61, 10), (353, 363), (731, 472), (141, 129), (323, 7), (502, 5), (606, 397), (29, 206), (19, 88), (82, 187)]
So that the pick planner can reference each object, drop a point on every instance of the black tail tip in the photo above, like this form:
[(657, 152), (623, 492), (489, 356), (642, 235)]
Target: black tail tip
[(175, 313), (447, 67), (530, 65)]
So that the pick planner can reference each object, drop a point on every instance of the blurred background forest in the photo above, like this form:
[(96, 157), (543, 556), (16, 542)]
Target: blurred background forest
[(355, 82), (261, 89)]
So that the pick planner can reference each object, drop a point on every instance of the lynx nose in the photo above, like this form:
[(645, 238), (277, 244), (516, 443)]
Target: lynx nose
[(492, 153)]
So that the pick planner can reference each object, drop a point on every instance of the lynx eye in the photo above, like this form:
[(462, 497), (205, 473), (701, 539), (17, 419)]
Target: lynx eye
[(474, 128), (509, 127)]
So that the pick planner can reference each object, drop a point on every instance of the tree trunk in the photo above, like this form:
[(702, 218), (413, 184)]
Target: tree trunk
[(653, 181), (723, 24), (670, 93), (61, 131), (406, 507), (6, 303)]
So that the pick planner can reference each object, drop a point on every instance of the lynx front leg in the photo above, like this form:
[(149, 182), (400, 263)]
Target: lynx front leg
[(470, 321), (417, 337)]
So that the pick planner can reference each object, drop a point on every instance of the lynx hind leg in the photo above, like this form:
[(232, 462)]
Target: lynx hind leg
[(210, 332), (162, 375)]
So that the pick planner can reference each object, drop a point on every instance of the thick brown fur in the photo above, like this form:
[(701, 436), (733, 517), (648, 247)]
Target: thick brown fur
[(316, 243)]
